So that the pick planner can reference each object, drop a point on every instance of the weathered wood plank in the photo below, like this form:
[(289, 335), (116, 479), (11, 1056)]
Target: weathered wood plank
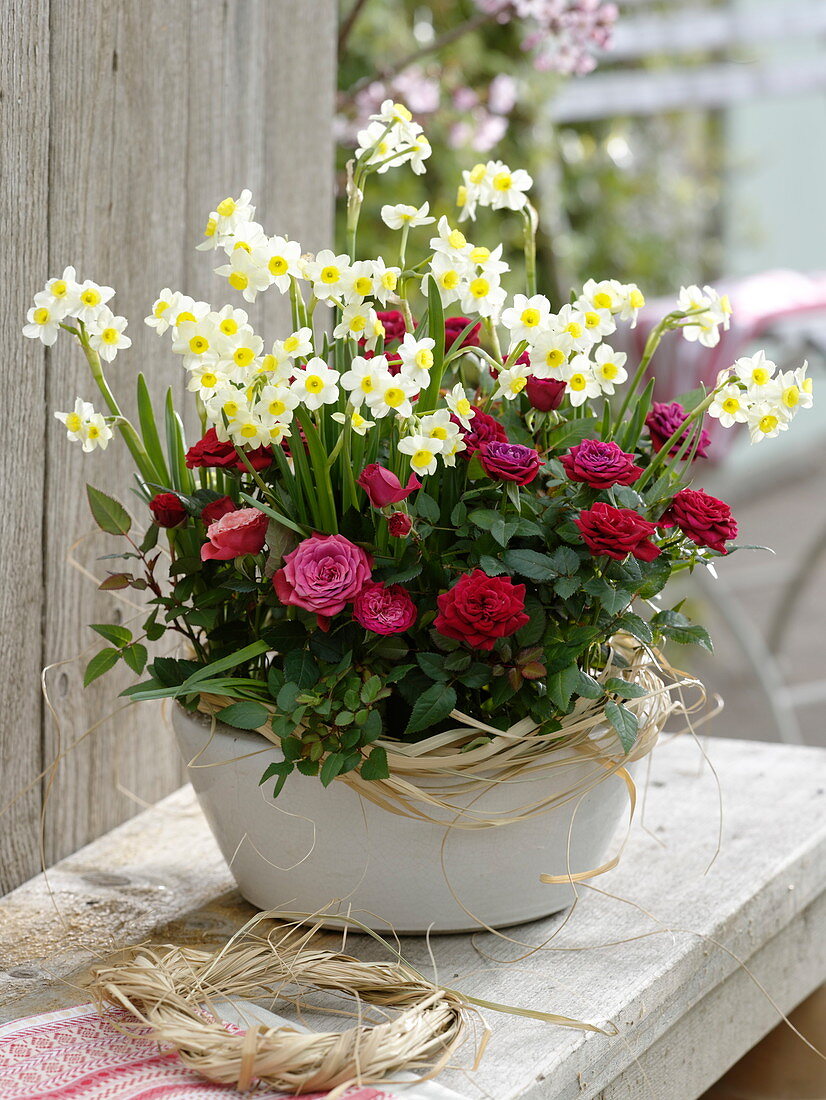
[(158, 111), (665, 988), (24, 126)]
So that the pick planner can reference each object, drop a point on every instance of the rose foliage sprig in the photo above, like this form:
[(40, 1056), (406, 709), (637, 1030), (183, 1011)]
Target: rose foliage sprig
[(447, 499)]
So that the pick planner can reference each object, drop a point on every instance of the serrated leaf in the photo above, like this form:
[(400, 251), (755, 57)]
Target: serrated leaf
[(636, 627), (286, 698), (432, 706), (115, 582), (628, 690), (427, 507), (246, 714), (300, 668), (561, 686), (566, 586), (624, 722), (531, 564), (135, 656), (492, 566), (118, 635), (483, 518), (100, 663), (108, 513), (588, 687), (331, 767), (432, 665), (375, 766), (613, 600), (372, 728)]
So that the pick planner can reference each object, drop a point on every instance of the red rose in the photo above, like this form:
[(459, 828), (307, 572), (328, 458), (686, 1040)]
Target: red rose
[(478, 609), (510, 462), (241, 532), (394, 324), (663, 421), (217, 508), (545, 393), (455, 326), (483, 429), (384, 608), (617, 532), (704, 519), (167, 510), (211, 452), (399, 525), (383, 487), (600, 465)]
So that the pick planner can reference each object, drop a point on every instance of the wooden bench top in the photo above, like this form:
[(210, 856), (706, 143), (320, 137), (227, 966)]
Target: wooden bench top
[(685, 1009)]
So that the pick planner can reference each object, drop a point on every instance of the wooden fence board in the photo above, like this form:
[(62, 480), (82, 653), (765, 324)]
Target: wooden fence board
[(158, 110)]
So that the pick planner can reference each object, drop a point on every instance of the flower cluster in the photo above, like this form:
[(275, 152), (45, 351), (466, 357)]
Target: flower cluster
[(402, 514), (564, 35)]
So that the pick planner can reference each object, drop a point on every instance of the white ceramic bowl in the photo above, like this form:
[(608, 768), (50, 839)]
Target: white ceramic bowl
[(312, 845)]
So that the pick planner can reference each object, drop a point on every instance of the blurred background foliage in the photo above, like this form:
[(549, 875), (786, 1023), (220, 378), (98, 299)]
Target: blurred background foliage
[(632, 198)]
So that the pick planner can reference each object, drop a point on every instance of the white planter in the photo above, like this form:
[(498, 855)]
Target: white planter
[(312, 845)]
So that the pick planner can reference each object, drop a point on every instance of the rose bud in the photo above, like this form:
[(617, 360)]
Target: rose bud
[(664, 419), (704, 519), (167, 510), (234, 534), (478, 609), (384, 608), (600, 465), (217, 508), (383, 487), (399, 525), (510, 462), (617, 532), (545, 394)]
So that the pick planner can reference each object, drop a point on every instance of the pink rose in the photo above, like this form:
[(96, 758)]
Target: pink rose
[(383, 487), (384, 608), (323, 574), (236, 533), (600, 464)]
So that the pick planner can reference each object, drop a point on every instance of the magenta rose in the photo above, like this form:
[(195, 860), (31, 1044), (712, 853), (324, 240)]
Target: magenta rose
[(399, 525), (217, 508), (383, 487), (617, 532), (510, 462), (455, 326), (323, 574), (483, 429), (545, 394), (704, 519), (664, 420), (241, 532), (384, 608), (600, 465)]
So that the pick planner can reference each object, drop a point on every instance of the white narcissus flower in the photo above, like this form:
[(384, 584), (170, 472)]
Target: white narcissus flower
[(363, 377), (281, 257), (442, 430), (756, 372), (602, 294), (633, 300), (244, 357), (508, 189), (316, 384), (184, 308), (401, 215), (106, 334), (250, 430), (230, 328), (459, 404), (164, 310), (451, 242), (598, 323), (391, 394), (448, 274), (420, 150), (278, 402), (227, 401), (357, 422), (581, 381), (205, 379), (730, 405), (571, 322), (482, 295), (385, 280), (358, 282), (64, 292), (549, 355), (85, 426), (422, 452), (90, 299), (511, 381), (766, 420), (195, 341), (359, 321), (704, 326), (417, 358), (527, 317), (609, 368), (488, 263), (247, 235), (223, 220), (474, 191), (42, 320), (246, 272), (299, 344), (327, 272)]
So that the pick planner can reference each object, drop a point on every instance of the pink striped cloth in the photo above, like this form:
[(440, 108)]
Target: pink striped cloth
[(757, 303), (76, 1054)]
